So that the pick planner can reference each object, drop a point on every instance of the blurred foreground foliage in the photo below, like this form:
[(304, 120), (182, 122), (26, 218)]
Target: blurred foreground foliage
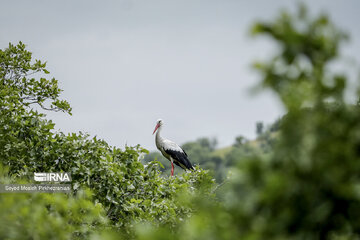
[(48, 216), (303, 183), (307, 185)]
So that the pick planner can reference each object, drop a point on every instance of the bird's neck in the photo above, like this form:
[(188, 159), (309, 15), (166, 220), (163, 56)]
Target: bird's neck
[(158, 133), (158, 137)]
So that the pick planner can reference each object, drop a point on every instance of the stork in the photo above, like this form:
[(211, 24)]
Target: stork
[(171, 150)]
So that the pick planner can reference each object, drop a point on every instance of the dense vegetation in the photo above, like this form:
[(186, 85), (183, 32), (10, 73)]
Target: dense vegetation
[(123, 190), (298, 180)]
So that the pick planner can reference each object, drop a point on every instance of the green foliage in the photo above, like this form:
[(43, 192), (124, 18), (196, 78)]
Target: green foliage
[(259, 128), (199, 150), (298, 74), (201, 153), (307, 187), (19, 87), (239, 141), (298, 180), (163, 162), (48, 216), (126, 190)]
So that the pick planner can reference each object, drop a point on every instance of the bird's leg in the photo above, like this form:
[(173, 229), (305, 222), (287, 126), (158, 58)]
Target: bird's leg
[(172, 168)]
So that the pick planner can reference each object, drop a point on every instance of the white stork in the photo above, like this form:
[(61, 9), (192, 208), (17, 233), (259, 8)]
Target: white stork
[(171, 150)]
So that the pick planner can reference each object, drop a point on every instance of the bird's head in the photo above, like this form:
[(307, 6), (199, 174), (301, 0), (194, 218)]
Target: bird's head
[(159, 123)]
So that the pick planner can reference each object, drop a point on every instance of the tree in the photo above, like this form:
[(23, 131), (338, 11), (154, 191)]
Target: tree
[(239, 141), (259, 128), (20, 88), (305, 189)]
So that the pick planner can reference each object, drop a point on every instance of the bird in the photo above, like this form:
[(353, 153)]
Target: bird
[(170, 150)]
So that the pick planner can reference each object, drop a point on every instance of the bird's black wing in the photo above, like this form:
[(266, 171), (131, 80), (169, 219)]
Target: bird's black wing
[(183, 151), (180, 158), (192, 168)]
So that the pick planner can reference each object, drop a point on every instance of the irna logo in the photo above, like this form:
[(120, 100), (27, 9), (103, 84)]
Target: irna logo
[(52, 177)]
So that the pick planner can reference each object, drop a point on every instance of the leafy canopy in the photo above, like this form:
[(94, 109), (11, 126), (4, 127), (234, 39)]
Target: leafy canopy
[(22, 82), (123, 190)]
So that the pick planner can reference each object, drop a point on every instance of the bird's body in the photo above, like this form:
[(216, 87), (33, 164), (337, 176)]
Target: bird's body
[(170, 150)]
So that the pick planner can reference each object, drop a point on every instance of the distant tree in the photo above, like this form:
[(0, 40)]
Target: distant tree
[(259, 128), (208, 143), (239, 141)]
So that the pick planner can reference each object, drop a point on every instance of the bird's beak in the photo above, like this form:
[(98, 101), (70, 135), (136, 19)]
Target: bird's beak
[(157, 126)]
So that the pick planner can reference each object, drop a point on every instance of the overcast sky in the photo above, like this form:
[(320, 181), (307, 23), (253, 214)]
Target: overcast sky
[(123, 64)]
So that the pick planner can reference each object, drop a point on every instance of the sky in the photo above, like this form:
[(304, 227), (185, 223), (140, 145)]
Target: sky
[(123, 64)]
